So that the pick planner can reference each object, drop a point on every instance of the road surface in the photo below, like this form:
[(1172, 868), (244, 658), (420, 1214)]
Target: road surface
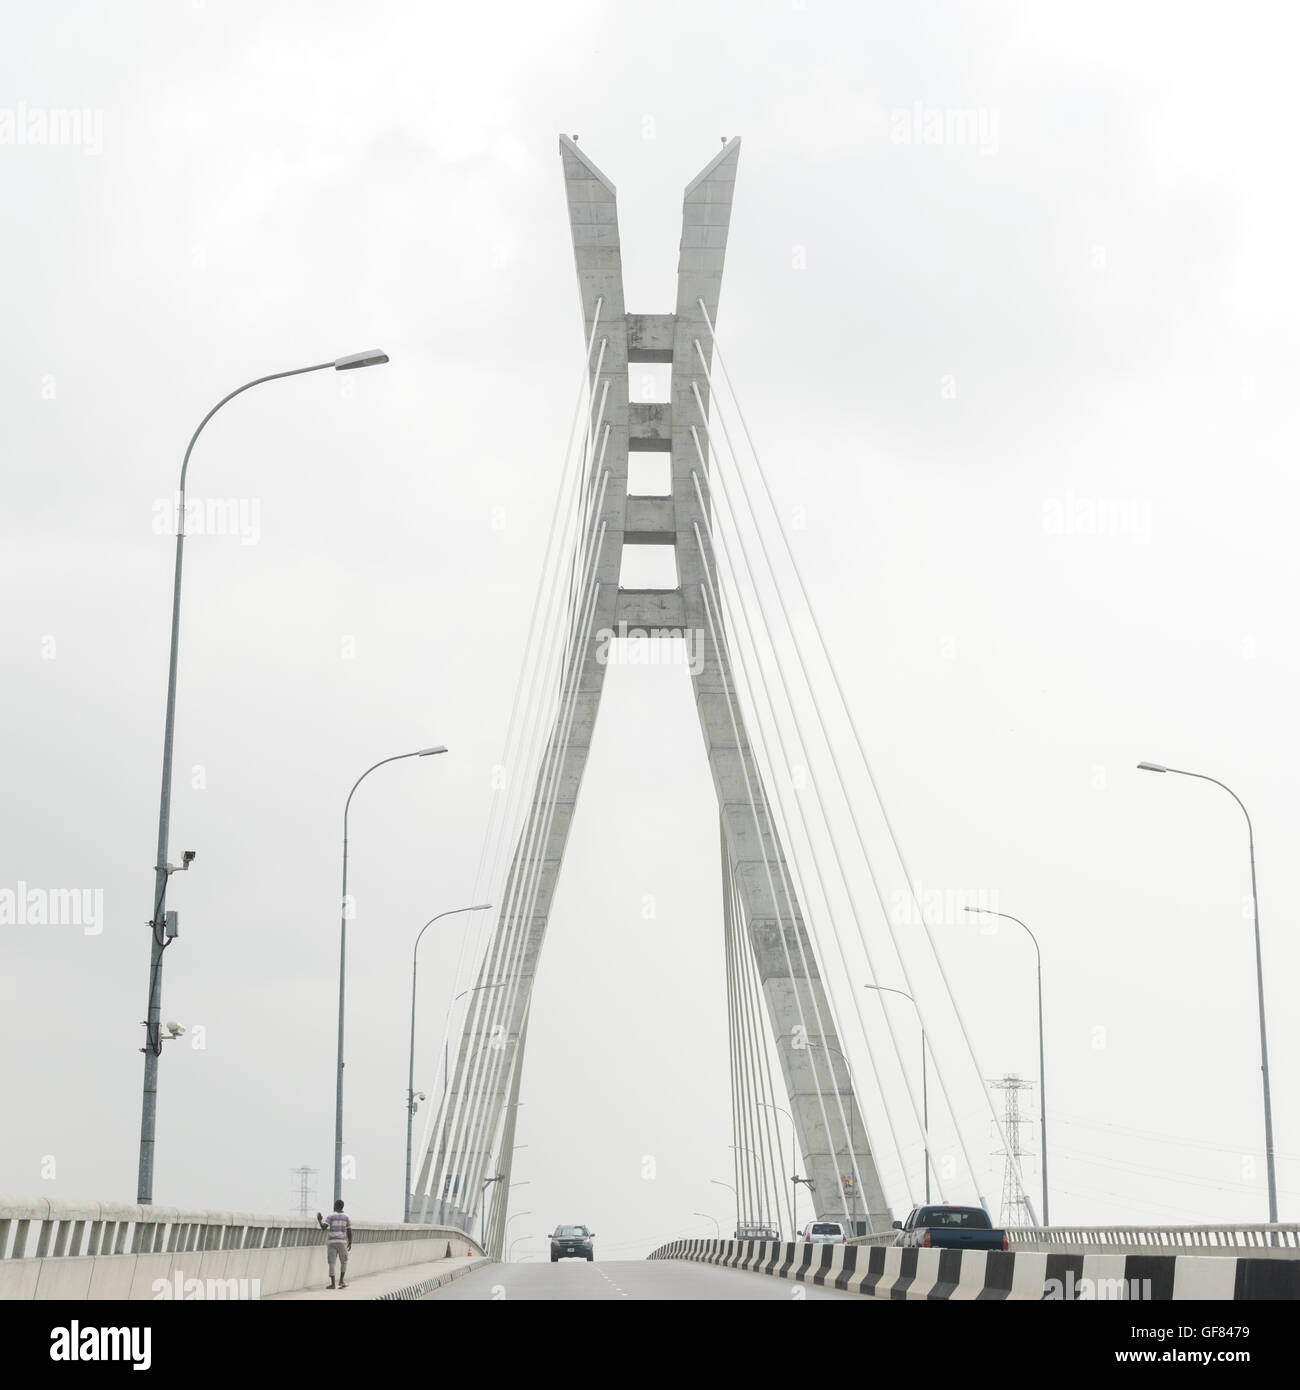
[(576, 1280)]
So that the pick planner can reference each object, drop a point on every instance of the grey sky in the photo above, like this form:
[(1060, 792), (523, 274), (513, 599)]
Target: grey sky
[(1030, 396)]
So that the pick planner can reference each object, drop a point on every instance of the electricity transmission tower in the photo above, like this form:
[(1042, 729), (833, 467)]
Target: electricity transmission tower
[(304, 1189), (1015, 1205)]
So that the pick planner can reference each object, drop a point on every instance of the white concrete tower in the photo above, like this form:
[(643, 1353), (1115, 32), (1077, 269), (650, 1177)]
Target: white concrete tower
[(798, 1008)]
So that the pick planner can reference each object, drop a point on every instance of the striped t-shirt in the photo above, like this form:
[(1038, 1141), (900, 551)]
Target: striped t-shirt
[(338, 1225)]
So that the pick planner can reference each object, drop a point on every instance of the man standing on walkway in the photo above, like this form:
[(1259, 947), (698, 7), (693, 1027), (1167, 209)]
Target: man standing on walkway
[(338, 1242)]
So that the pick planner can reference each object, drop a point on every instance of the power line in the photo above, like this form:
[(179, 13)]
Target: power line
[(1167, 1175), (1156, 1136)]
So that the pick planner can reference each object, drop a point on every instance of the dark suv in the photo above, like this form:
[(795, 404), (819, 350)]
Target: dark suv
[(572, 1243)]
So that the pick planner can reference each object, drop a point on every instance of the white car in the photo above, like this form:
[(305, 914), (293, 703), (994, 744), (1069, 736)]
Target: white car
[(825, 1233)]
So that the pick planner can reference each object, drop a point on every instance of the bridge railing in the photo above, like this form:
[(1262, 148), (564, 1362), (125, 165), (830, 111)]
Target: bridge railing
[(875, 1238), (1264, 1239), (46, 1228), (51, 1249)]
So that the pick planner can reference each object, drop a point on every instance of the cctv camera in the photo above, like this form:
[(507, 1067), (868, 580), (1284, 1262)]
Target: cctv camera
[(188, 858), (174, 1028)]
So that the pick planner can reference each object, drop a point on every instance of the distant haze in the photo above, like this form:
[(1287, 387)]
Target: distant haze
[(1011, 304)]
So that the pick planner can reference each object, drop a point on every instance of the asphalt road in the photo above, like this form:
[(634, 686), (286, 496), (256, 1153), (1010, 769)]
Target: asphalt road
[(578, 1281)]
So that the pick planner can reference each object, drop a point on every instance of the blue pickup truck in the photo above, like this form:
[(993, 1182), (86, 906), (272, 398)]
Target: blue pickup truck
[(950, 1228)]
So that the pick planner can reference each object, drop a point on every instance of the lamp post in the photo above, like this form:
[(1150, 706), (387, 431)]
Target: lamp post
[(811, 1185), (717, 1226), (442, 1142), (410, 1071), (794, 1195), (506, 1231), (925, 1089), (343, 953), (853, 1157), (736, 1148), (1259, 977), (719, 1183), (487, 1182), (474, 989), (162, 933), (513, 1243), (1042, 1064)]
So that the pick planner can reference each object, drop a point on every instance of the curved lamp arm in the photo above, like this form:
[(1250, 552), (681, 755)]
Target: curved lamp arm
[(372, 358)]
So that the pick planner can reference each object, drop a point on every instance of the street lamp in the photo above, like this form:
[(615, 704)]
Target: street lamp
[(737, 1148), (487, 1182), (372, 358), (506, 1232), (853, 1157), (717, 1226), (794, 1202), (442, 1142), (474, 989), (925, 1090), (513, 1243), (410, 1072), (1042, 1064), (343, 952), (811, 1185), (162, 933), (719, 1183), (1259, 977)]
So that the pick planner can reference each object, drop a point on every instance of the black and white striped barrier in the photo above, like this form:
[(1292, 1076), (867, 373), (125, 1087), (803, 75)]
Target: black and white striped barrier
[(890, 1272), (410, 1292)]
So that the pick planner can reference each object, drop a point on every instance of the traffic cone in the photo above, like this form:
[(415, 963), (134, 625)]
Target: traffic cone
[(469, 1254)]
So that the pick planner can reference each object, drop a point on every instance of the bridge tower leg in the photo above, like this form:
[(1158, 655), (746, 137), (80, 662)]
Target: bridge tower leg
[(828, 1124)]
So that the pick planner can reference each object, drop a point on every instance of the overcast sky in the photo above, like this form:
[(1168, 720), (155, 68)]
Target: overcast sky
[(1029, 391)]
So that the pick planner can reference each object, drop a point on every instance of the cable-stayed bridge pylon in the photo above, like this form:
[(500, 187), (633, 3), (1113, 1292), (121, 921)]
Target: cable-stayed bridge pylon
[(777, 1002)]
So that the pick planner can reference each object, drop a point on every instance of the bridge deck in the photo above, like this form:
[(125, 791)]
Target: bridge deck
[(632, 1280)]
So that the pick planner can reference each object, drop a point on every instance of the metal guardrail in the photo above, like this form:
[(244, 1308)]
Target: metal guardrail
[(1171, 1239), (1187, 1240), (44, 1228)]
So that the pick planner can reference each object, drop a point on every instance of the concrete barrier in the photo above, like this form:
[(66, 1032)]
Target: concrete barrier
[(422, 1287), (96, 1251), (1072, 1276)]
